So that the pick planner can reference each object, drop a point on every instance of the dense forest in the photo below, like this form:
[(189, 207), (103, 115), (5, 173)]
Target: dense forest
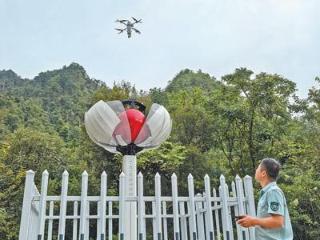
[(221, 126)]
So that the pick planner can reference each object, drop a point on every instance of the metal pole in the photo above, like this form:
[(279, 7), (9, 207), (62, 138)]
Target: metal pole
[(129, 168)]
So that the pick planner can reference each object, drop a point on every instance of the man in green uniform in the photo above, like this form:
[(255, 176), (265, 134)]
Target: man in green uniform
[(273, 220)]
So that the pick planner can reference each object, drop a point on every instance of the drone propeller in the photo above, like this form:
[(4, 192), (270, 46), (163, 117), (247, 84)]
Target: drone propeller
[(136, 30), (136, 20), (120, 30), (123, 21)]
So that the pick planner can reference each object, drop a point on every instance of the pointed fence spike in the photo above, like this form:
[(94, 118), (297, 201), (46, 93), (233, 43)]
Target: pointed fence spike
[(157, 175), (206, 177), (30, 172), (104, 173), (45, 172), (238, 177), (65, 173), (190, 176), (247, 176), (173, 176), (140, 175), (84, 173), (222, 177), (122, 174)]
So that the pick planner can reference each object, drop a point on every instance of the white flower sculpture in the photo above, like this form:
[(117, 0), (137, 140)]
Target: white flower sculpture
[(117, 129)]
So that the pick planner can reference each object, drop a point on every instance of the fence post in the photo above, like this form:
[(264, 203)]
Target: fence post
[(199, 214), (216, 213), (226, 225), (83, 211), (122, 196), (154, 229), (50, 223), (98, 237), (63, 205), (192, 222), (103, 194), (241, 206), (43, 199), (236, 210), (250, 199), (175, 206), (26, 205), (87, 231), (110, 220), (229, 213), (165, 227), (184, 233), (208, 214), (157, 180), (75, 220), (141, 211)]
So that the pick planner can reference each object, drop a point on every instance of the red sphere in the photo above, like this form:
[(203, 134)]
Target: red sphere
[(136, 119)]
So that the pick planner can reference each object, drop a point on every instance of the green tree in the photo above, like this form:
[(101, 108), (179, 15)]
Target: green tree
[(26, 149), (267, 100)]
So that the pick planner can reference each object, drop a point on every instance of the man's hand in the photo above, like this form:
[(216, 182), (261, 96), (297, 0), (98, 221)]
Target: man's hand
[(274, 221), (247, 221)]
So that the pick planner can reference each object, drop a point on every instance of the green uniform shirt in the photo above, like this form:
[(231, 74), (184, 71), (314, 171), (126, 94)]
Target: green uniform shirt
[(272, 201)]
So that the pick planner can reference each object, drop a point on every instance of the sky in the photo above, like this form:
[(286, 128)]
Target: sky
[(216, 36)]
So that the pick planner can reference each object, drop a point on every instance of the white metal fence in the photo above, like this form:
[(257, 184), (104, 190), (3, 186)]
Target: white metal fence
[(204, 216)]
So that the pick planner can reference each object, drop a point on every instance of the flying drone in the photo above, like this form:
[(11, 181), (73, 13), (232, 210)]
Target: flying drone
[(129, 26)]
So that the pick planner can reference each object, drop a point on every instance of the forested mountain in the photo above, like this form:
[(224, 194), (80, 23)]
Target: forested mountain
[(219, 126)]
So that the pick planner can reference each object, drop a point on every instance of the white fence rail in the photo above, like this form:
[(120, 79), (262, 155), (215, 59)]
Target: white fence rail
[(203, 216)]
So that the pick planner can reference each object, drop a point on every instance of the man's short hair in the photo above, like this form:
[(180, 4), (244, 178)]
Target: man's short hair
[(271, 166)]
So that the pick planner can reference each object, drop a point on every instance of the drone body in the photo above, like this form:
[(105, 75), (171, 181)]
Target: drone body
[(129, 26)]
